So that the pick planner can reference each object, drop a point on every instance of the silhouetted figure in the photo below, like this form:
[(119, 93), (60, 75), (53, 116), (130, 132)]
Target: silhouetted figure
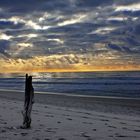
[(29, 100)]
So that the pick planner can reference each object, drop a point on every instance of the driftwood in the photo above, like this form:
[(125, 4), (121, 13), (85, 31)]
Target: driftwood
[(28, 102)]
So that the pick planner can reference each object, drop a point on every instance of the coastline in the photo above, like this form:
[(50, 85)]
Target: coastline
[(59, 117)]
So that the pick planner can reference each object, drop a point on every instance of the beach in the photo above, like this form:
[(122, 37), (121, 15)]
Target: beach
[(64, 117)]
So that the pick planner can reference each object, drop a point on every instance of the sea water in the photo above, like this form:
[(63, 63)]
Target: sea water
[(118, 84)]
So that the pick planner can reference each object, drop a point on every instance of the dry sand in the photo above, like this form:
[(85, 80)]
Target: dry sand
[(59, 117)]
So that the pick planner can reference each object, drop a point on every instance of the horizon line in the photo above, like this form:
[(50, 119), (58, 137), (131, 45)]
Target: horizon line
[(70, 71)]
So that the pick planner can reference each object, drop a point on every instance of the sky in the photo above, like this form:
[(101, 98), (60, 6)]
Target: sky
[(69, 35)]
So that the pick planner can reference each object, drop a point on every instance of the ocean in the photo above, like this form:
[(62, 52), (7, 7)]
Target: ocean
[(116, 84)]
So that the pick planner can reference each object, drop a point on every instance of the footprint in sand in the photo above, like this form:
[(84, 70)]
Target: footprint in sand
[(87, 122), (41, 125), (69, 119), (121, 136), (111, 136), (37, 139), (51, 116), (137, 130), (106, 124), (3, 122), (89, 139), (3, 131), (65, 115), (124, 128), (85, 117), (58, 122), (52, 128), (61, 139), (50, 131), (112, 126), (37, 131), (101, 116), (104, 120), (24, 134), (83, 134), (115, 118), (88, 113), (15, 134), (122, 123)]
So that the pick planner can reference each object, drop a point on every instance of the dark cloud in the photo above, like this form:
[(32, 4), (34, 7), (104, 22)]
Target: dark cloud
[(52, 5), (131, 41), (21, 6), (74, 26), (128, 13), (137, 29), (114, 47), (4, 46), (17, 32), (92, 3), (116, 22), (31, 6), (10, 25), (126, 2)]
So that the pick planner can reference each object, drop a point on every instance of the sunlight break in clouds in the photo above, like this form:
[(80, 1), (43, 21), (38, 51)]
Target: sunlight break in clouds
[(28, 23), (36, 26), (4, 36), (21, 47), (74, 19), (28, 35), (117, 18), (57, 40), (105, 30), (132, 7)]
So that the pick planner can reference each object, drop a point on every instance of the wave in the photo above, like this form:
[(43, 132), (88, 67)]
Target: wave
[(125, 84)]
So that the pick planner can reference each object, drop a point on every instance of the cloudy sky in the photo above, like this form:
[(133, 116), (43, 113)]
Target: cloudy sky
[(69, 35)]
